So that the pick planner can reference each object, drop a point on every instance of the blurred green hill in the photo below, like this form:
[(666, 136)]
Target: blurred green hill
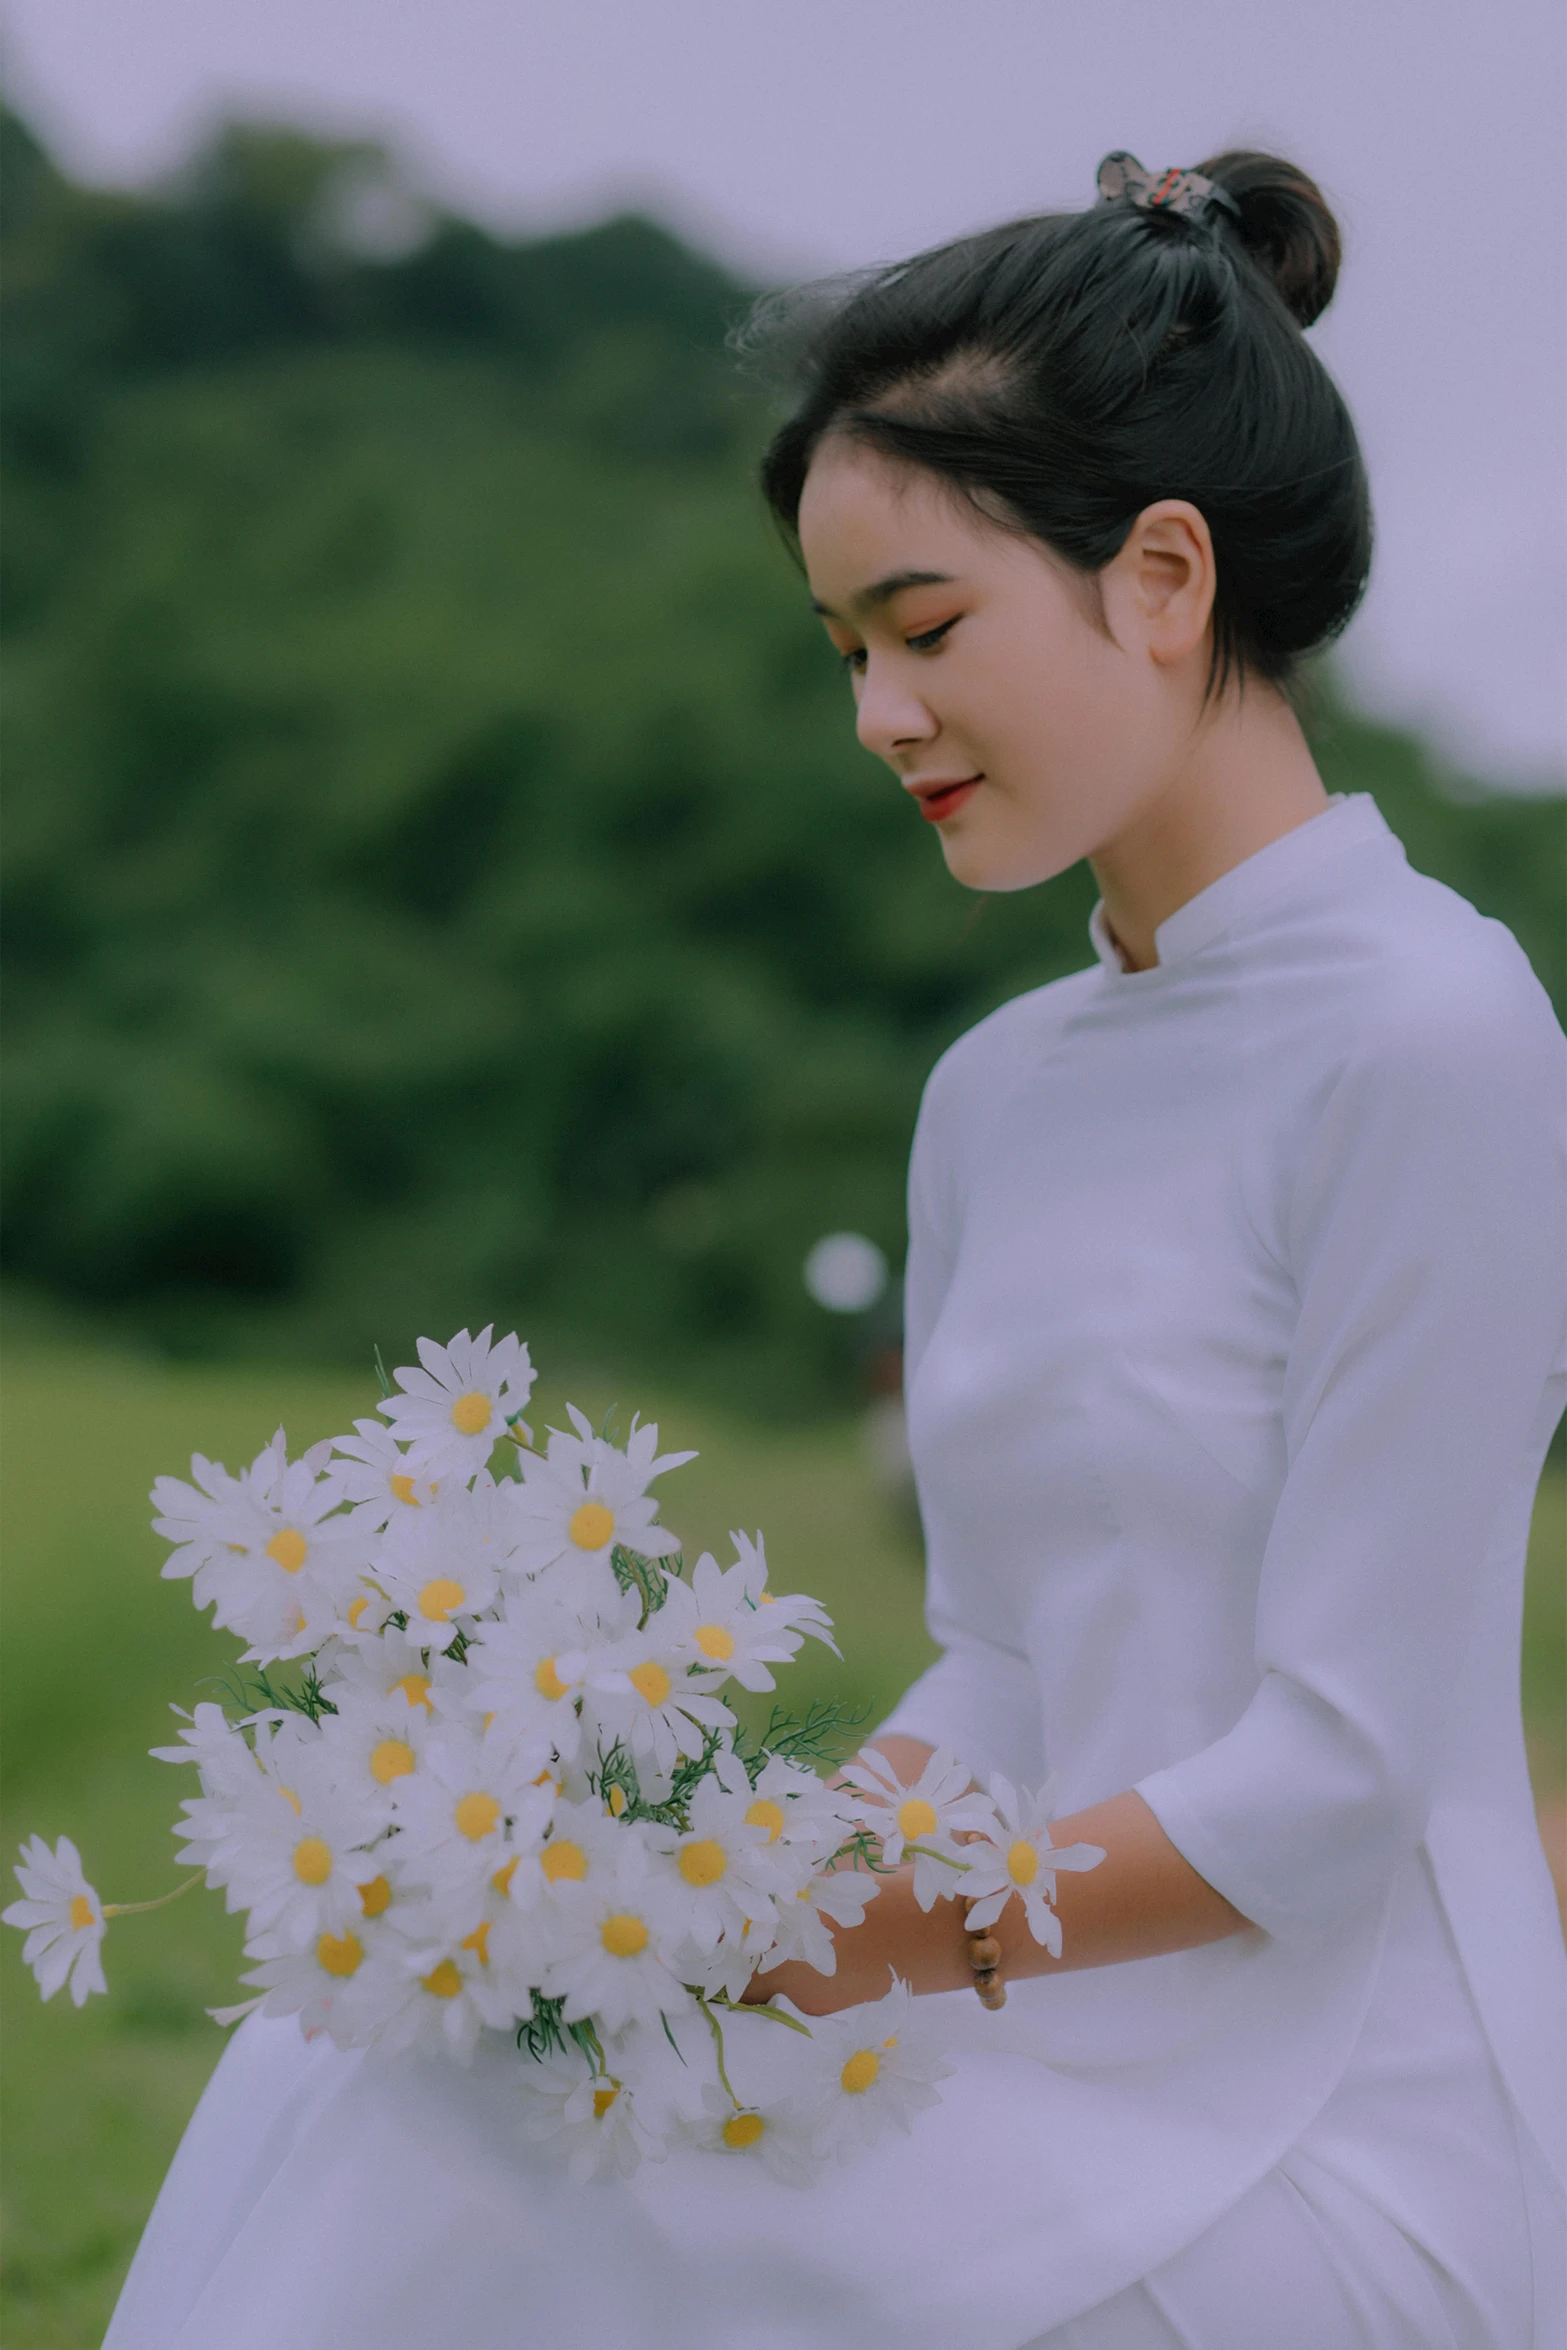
[(442, 882)]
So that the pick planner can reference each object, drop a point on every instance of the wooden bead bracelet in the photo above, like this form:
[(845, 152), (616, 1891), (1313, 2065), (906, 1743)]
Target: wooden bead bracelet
[(984, 1956)]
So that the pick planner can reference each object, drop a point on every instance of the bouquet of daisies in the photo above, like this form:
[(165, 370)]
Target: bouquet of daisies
[(482, 1779)]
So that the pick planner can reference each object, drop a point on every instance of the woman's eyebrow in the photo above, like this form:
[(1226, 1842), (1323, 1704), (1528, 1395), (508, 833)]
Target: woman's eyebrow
[(882, 591)]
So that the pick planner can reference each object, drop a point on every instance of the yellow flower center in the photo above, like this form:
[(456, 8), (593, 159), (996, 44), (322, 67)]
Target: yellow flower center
[(312, 1861), (392, 1759), (339, 1954), (916, 1817), (546, 1680), (650, 1681), (623, 1936), (356, 1608), (1022, 1863), (591, 1526), (617, 1799), (416, 1688), (403, 1490), (715, 1642), (471, 1413), (563, 1859), (81, 1912), (702, 1864), (503, 1876), (604, 2098), (764, 1813), (375, 1897), (860, 2071), (479, 1941), (743, 2129), (289, 1548), (475, 1815), (438, 1598), (444, 1981)]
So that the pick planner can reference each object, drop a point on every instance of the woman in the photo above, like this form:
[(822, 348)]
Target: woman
[(1237, 1311)]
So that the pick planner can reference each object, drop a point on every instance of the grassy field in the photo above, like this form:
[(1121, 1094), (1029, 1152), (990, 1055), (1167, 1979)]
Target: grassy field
[(97, 1646)]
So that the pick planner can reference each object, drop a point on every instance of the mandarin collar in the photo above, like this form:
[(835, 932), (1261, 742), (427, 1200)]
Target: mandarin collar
[(1351, 820)]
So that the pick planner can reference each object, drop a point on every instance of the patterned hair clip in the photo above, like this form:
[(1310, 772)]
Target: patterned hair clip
[(1186, 192)]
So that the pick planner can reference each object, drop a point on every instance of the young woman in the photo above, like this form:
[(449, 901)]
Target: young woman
[(1237, 1331)]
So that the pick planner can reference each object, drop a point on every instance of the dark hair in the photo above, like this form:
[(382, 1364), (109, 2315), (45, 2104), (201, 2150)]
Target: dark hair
[(1064, 372)]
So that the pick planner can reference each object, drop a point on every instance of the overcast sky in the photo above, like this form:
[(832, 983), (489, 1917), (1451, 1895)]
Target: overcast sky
[(823, 133)]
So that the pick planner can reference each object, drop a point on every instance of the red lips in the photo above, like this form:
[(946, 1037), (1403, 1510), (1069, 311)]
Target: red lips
[(937, 801)]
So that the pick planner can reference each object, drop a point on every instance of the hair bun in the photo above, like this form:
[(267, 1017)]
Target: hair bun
[(1285, 223)]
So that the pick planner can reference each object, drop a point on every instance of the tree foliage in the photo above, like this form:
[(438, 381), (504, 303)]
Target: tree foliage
[(442, 881)]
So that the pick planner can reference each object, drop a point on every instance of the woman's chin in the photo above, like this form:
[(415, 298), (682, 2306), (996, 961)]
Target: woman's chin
[(996, 866)]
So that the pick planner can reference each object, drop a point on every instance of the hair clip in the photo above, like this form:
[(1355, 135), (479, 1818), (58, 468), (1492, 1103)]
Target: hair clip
[(1185, 192)]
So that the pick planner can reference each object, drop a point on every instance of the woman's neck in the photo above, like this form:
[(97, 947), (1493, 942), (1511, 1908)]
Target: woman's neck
[(1247, 779)]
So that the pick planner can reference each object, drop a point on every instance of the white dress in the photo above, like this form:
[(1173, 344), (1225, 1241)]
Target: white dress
[(1237, 1308)]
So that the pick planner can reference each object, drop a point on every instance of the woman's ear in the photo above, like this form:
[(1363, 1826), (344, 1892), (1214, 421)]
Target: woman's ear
[(1163, 580)]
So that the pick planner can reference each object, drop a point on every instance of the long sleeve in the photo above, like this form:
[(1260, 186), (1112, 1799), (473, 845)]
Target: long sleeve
[(978, 1698), (1426, 1234)]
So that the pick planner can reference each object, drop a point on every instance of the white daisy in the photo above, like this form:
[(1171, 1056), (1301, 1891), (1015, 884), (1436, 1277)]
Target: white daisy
[(375, 1738), (580, 1849), (460, 1985), (1017, 1857), (212, 1741), (376, 1476), (584, 1498), (593, 2113), (324, 1983), (238, 1808), (464, 1808), (199, 1518), (727, 1875), (840, 1895), (799, 1810), (620, 1934), (368, 1670), (526, 1672), (928, 1816), (439, 1568), (65, 1918), (453, 1412), (741, 1626), (771, 2134), (296, 1854), (273, 1558), (872, 2067), (643, 1691)]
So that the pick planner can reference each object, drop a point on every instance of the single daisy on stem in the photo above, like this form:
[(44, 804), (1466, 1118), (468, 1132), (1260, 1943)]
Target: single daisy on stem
[(453, 1413), (922, 1821), (1016, 1856)]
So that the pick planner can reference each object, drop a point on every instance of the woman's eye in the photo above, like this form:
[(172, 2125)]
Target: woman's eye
[(925, 643), (931, 637)]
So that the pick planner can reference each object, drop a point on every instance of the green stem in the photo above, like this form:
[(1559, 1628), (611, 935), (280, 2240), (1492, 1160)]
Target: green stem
[(129, 1909), (772, 2015), (717, 2030), (924, 1852)]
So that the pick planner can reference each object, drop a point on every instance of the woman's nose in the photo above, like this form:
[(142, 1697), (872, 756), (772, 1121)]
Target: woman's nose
[(890, 718)]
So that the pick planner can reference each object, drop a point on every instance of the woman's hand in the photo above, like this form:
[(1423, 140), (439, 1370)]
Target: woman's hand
[(1143, 1900), (895, 1937)]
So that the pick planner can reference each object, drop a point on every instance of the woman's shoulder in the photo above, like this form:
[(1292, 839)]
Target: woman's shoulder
[(1001, 1048), (1422, 971)]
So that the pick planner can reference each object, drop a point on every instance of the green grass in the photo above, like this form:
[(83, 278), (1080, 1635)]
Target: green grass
[(97, 1645)]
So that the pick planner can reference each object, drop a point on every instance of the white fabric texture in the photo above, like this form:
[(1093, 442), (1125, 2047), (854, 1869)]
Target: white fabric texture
[(1237, 1306)]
